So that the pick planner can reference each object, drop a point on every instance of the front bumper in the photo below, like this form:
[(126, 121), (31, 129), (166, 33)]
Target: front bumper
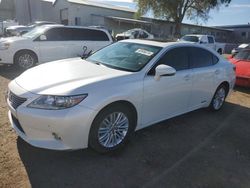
[(243, 81), (66, 129)]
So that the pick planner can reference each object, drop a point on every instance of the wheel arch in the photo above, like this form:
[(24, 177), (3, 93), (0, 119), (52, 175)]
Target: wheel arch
[(125, 103), (25, 50), (226, 84)]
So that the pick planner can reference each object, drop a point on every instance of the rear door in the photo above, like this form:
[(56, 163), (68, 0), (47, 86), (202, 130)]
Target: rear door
[(202, 63), (54, 47)]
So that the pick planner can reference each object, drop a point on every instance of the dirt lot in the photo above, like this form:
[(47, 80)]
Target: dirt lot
[(200, 149)]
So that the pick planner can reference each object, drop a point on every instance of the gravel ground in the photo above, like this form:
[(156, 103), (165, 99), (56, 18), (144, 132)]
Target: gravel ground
[(200, 149)]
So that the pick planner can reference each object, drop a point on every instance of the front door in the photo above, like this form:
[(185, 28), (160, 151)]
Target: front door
[(54, 47), (168, 96)]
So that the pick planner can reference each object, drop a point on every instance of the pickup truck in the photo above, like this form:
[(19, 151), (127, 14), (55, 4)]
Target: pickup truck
[(206, 40)]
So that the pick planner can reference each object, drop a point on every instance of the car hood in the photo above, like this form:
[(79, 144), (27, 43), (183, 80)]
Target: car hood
[(12, 39), (65, 77)]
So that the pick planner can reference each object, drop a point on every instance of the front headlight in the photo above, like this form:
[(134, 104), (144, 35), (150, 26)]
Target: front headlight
[(50, 102), (4, 46)]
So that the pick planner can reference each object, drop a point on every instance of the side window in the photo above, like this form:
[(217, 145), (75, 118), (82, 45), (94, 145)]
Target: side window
[(58, 34), (176, 58), (54, 34), (98, 35), (136, 34), (201, 58), (144, 35), (215, 59), (88, 35), (210, 39)]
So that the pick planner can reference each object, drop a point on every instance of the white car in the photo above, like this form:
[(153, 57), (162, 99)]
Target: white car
[(129, 85), (18, 30), (51, 42), (134, 34), (205, 40)]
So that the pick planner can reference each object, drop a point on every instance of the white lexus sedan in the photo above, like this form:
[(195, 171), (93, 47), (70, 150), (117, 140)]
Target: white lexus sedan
[(98, 102)]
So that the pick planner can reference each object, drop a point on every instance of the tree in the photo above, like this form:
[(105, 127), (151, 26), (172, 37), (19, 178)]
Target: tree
[(176, 10)]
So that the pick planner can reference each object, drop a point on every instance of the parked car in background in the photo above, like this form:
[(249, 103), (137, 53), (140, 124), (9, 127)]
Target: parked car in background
[(5, 24), (18, 30), (131, 84), (242, 62), (205, 40), (134, 34), (239, 48), (51, 42)]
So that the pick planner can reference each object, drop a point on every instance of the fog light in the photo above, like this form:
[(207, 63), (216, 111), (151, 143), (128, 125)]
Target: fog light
[(56, 136)]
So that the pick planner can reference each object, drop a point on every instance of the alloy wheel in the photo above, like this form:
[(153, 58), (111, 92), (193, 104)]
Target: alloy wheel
[(113, 129), (219, 98), (25, 61)]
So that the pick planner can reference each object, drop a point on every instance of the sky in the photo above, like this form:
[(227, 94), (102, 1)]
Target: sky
[(238, 12)]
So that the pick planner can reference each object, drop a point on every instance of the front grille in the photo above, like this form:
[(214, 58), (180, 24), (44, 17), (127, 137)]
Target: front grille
[(17, 124), (15, 100)]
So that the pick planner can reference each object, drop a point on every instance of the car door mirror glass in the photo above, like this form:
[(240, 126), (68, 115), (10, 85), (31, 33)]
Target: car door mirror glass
[(43, 37), (164, 70)]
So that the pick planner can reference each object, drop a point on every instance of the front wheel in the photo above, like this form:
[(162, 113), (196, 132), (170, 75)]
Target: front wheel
[(111, 128), (25, 60), (219, 98)]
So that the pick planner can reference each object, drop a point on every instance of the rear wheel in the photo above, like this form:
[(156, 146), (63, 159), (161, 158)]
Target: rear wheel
[(25, 60), (220, 51), (111, 128), (219, 98)]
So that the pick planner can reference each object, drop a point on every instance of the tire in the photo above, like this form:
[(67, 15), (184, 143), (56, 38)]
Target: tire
[(218, 98), (25, 60), (106, 136), (220, 51)]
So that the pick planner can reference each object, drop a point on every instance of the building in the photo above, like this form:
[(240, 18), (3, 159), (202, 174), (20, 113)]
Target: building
[(117, 19), (241, 33), (28, 11), (7, 10), (86, 13)]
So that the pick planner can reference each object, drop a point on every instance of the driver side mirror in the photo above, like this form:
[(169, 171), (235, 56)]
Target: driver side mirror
[(43, 37), (163, 70)]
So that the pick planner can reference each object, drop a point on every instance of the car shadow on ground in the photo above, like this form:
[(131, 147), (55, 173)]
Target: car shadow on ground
[(198, 149), (9, 72), (242, 89)]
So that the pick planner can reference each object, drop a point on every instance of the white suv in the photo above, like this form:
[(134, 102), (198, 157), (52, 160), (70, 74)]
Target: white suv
[(51, 42)]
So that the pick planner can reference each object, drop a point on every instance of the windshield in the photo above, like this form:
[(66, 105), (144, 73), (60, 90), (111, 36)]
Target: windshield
[(125, 56), (34, 32), (243, 55), (190, 38)]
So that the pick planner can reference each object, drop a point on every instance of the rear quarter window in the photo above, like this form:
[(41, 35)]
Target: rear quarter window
[(90, 35)]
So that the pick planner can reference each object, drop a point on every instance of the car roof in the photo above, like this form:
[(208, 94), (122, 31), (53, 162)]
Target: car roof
[(63, 26)]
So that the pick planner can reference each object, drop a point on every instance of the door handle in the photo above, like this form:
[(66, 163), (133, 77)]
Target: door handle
[(217, 72), (187, 77)]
